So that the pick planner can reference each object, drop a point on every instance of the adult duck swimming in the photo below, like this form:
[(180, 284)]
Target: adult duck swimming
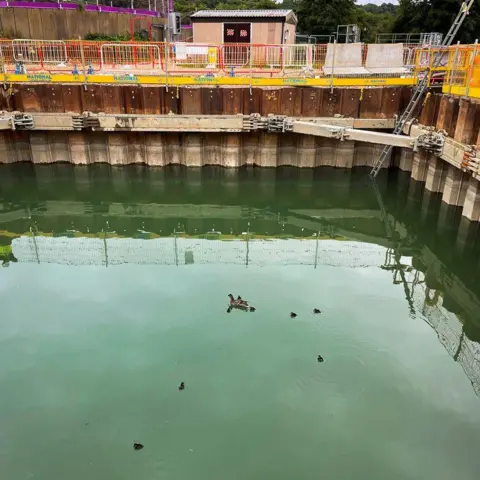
[(239, 304)]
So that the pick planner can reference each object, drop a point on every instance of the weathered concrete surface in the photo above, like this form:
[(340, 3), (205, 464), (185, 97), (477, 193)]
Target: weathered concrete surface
[(385, 58), (436, 173), (455, 187), (189, 149), (419, 166), (471, 206), (405, 161), (350, 134), (179, 122), (190, 123)]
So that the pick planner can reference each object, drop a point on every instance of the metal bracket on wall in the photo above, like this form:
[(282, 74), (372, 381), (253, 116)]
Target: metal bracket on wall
[(279, 123), (85, 121), (22, 121), (431, 142)]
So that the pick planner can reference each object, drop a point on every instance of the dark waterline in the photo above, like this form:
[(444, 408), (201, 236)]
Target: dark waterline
[(305, 228)]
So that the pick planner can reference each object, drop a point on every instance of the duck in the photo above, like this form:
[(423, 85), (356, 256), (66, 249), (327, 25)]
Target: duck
[(240, 304), (241, 301), (293, 314), (233, 302), (137, 446), (182, 386), (319, 358), (316, 311)]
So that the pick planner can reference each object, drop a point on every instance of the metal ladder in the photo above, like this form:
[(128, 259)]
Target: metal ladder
[(422, 85)]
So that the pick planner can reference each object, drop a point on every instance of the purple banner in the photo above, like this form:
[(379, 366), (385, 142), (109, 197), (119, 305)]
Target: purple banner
[(65, 6), (74, 6)]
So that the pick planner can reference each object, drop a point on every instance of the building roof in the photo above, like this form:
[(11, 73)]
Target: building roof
[(288, 15)]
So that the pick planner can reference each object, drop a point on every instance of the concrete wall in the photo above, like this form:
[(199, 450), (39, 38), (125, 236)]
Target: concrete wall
[(52, 24), (460, 119), (189, 149)]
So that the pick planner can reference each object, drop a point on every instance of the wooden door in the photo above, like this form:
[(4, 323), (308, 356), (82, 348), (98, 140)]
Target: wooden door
[(236, 32), (236, 55)]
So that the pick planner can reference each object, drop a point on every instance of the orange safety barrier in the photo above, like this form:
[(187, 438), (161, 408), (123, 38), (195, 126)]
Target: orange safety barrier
[(458, 65), (159, 57), (182, 57)]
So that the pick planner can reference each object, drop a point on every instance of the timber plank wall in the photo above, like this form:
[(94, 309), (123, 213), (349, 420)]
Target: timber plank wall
[(458, 117), (377, 102), (50, 24)]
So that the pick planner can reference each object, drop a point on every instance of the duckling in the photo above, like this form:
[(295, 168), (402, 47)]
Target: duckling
[(316, 311), (182, 386), (293, 314), (137, 446), (251, 309), (319, 359), (229, 309)]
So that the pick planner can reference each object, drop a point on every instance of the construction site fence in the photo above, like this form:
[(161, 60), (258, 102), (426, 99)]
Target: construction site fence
[(457, 65), (463, 67)]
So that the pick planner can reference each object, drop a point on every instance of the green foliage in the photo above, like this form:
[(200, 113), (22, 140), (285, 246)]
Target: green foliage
[(388, 8), (436, 16), (140, 36), (321, 17), (289, 5), (374, 19)]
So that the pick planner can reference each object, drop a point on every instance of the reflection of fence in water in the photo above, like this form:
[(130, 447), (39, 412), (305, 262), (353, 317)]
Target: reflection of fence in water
[(449, 332), (107, 250), (177, 250)]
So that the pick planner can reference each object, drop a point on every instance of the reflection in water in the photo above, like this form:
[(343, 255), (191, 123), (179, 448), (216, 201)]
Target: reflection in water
[(255, 217)]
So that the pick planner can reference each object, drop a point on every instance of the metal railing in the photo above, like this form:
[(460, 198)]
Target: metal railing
[(458, 65), (463, 69), (126, 56), (411, 38)]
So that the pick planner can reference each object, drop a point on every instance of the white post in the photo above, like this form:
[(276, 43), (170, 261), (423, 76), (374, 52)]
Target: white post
[(451, 75), (333, 64), (471, 67)]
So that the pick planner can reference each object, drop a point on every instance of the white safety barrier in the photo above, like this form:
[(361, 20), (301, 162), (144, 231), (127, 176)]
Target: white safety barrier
[(130, 56), (39, 51)]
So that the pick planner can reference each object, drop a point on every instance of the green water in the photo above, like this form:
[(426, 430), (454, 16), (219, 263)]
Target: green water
[(114, 290)]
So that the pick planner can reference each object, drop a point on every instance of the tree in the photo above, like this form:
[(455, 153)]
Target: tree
[(321, 17), (388, 8), (289, 5), (371, 24), (427, 16)]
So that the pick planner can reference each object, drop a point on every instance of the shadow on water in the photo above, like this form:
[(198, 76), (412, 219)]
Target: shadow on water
[(431, 251)]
